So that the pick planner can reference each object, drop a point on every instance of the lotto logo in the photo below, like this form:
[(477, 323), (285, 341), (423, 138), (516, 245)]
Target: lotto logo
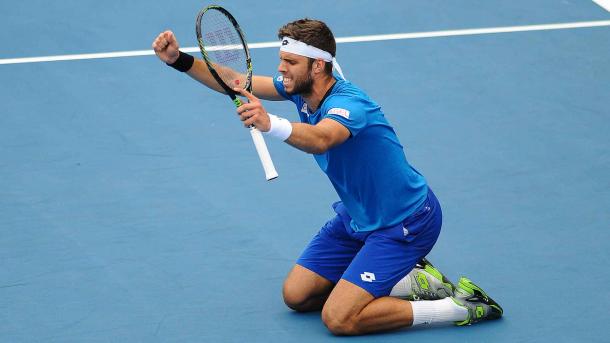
[(480, 311), (422, 281), (367, 277)]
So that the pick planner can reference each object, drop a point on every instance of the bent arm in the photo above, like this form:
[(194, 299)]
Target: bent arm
[(319, 138), (313, 139), (166, 47), (262, 86)]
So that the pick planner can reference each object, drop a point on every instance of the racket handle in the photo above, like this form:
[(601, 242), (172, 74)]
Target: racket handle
[(263, 154)]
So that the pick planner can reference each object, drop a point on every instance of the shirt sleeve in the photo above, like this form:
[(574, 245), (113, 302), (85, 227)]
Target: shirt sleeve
[(349, 112)]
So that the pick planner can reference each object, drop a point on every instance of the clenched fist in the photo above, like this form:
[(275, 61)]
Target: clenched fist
[(166, 47)]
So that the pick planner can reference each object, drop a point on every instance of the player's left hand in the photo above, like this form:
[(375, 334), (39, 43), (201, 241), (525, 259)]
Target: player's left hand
[(253, 112)]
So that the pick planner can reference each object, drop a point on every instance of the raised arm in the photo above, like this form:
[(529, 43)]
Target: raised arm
[(166, 47)]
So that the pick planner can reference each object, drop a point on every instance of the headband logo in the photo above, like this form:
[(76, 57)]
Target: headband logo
[(285, 42)]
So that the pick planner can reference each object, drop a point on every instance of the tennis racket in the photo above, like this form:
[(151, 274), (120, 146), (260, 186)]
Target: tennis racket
[(225, 52)]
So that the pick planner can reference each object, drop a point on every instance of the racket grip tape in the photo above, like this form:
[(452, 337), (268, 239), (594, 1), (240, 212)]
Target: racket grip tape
[(263, 154)]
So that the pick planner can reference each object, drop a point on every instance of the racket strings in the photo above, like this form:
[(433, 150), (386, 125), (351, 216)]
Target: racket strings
[(224, 48)]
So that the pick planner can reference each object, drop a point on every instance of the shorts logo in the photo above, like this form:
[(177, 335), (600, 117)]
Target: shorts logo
[(339, 111), (367, 277)]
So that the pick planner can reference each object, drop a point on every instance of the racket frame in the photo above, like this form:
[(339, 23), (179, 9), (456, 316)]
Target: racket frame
[(209, 62), (257, 137)]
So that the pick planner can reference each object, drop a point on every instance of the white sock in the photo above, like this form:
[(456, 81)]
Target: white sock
[(437, 312)]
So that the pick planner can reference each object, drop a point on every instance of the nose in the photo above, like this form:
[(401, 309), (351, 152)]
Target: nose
[(281, 68)]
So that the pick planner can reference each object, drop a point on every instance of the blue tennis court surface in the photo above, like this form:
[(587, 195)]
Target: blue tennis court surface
[(133, 207)]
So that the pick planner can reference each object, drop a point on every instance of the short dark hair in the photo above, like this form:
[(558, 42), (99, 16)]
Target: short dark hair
[(313, 32)]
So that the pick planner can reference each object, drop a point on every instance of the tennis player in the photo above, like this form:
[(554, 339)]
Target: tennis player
[(366, 268)]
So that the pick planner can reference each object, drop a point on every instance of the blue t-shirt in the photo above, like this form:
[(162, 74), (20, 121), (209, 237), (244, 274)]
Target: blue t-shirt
[(369, 170)]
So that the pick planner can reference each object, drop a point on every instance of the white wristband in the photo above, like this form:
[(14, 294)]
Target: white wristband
[(280, 127)]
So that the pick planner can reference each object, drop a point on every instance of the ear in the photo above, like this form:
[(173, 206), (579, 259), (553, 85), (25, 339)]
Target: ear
[(318, 66)]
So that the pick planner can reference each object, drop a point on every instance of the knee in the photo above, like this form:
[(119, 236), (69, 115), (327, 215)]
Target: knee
[(294, 297), (305, 290), (338, 324)]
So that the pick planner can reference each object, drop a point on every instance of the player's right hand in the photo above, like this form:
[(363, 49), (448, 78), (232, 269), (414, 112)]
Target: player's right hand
[(166, 47), (253, 112)]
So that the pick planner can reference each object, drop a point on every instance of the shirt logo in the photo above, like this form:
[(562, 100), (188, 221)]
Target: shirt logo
[(339, 111), (280, 78), (285, 42), (304, 109), (405, 231), (367, 277)]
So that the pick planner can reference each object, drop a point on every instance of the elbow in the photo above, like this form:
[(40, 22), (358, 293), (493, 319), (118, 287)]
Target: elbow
[(319, 148), (314, 151)]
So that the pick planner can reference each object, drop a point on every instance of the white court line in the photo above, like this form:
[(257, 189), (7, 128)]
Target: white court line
[(353, 39), (603, 3)]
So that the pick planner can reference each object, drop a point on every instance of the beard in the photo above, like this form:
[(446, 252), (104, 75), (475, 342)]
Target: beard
[(302, 86)]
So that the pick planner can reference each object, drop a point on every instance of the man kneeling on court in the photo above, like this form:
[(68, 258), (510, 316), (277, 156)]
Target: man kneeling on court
[(366, 268)]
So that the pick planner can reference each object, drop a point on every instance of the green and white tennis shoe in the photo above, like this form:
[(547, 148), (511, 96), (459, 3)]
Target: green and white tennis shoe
[(425, 282), (479, 305)]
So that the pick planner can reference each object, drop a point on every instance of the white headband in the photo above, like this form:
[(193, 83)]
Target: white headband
[(297, 47), (294, 46)]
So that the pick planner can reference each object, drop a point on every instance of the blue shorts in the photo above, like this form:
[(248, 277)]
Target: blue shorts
[(374, 260)]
